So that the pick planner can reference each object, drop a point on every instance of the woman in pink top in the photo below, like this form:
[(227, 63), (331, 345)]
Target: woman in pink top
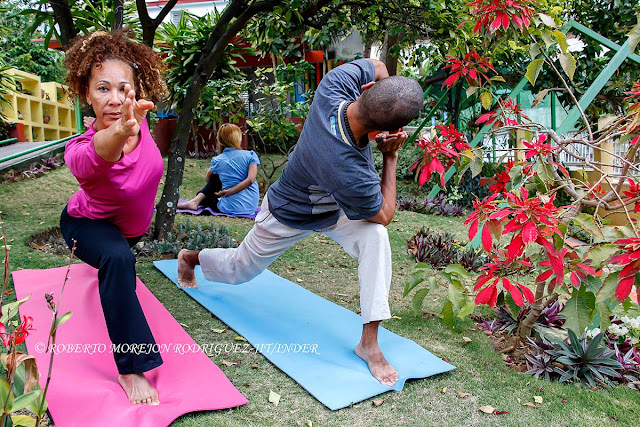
[(118, 167)]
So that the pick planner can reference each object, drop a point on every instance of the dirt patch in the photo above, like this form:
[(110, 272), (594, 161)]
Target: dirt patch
[(50, 241), (507, 346)]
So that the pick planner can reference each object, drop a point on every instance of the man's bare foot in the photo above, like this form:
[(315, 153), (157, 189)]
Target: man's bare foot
[(191, 205), (186, 266), (138, 389), (378, 365)]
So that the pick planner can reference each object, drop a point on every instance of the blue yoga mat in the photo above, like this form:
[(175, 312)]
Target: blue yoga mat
[(307, 337)]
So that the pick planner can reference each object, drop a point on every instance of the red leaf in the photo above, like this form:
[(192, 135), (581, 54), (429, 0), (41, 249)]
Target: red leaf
[(515, 247), (527, 293), (575, 280), (544, 276), (505, 21), (486, 238), (488, 295), (529, 233), (514, 291), (473, 230), (624, 288)]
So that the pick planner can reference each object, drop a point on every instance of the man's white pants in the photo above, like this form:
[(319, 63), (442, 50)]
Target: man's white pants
[(269, 238)]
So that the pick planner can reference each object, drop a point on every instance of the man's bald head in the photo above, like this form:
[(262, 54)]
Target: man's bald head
[(391, 103)]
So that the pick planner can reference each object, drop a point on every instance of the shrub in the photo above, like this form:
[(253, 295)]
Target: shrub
[(186, 236)]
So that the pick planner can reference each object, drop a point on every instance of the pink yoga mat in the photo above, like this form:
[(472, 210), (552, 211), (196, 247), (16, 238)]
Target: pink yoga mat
[(84, 390)]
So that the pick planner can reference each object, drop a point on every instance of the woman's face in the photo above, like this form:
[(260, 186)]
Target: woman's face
[(106, 91)]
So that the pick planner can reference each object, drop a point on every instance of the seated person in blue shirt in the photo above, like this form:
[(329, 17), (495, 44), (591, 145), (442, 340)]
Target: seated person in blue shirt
[(231, 180)]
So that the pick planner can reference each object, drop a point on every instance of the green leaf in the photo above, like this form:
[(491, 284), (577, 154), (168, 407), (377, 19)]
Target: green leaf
[(486, 100), (4, 393), (562, 41), (533, 70), (476, 163), (534, 50), (12, 308), (579, 310), (35, 406), (588, 224), (456, 292), (23, 420), (447, 314), (604, 312), (25, 400), (600, 254), (457, 269), (418, 298), (61, 320), (471, 90), (416, 279), (568, 63), (513, 307), (547, 20), (467, 309)]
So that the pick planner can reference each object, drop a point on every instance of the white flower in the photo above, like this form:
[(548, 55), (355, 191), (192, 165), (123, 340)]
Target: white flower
[(593, 333)]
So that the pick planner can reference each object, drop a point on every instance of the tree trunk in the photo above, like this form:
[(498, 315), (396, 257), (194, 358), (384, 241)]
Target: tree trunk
[(118, 14), (391, 57), (230, 23), (367, 50), (149, 26), (64, 19), (536, 308)]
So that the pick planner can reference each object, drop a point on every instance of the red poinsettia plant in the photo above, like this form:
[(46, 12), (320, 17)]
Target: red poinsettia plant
[(496, 15), (524, 230), (439, 151), (473, 68)]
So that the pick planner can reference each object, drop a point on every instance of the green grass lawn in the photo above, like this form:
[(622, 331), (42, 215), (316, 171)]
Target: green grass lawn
[(321, 266)]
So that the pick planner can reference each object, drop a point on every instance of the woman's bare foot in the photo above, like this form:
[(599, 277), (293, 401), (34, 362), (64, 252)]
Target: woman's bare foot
[(187, 261), (369, 351), (190, 205), (138, 389)]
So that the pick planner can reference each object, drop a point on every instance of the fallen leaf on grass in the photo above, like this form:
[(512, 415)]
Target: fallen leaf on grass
[(299, 280), (8, 292), (239, 338), (501, 412), (184, 325), (274, 397), (219, 331), (256, 366), (530, 405), (308, 423), (487, 409), (463, 395), (378, 402), (467, 340), (396, 317), (538, 399), (225, 363), (443, 390)]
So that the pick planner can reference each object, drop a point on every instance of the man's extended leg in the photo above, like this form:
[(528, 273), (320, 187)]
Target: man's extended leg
[(267, 240), (369, 243)]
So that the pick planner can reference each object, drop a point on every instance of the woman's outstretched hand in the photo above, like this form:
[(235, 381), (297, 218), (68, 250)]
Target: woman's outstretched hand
[(133, 113)]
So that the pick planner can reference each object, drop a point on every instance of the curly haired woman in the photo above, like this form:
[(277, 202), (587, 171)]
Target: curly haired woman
[(118, 167)]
